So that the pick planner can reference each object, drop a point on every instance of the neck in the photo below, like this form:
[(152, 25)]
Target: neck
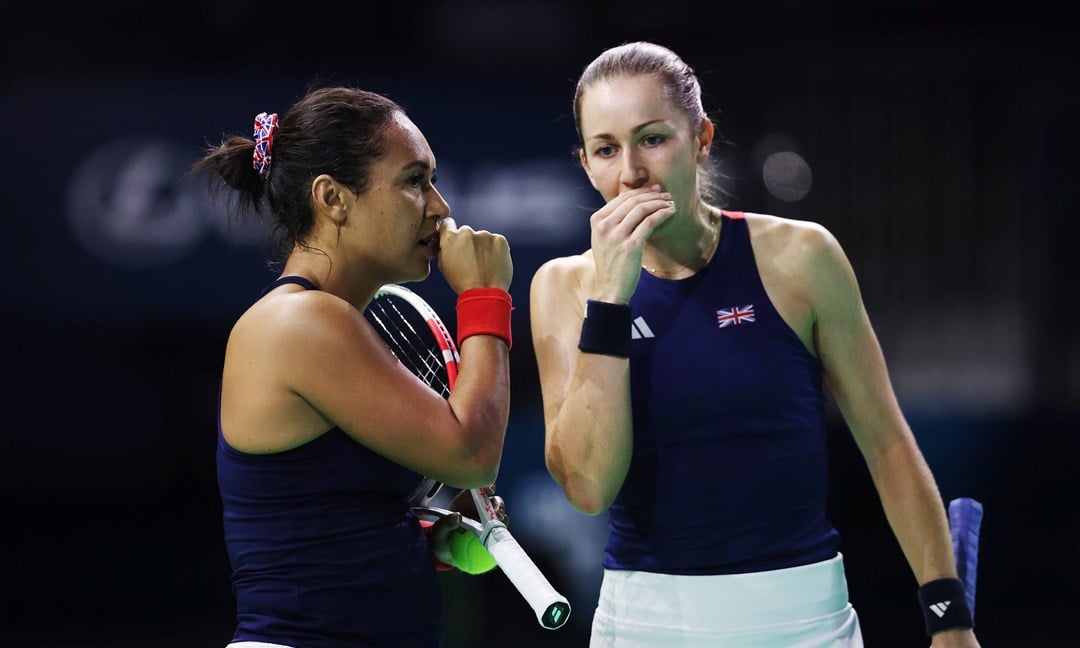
[(331, 275), (684, 245)]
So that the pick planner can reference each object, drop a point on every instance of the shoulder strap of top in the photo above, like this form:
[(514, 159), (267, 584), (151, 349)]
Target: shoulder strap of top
[(734, 240), (291, 279)]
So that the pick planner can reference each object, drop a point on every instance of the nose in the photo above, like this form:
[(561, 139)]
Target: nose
[(437, 207), (632, 175)]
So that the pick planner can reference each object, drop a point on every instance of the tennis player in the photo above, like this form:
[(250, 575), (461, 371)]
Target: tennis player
[(681, 360), (323, 435)]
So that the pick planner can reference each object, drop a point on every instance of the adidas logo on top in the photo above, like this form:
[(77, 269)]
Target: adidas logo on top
[(639, 329), (939, 608)]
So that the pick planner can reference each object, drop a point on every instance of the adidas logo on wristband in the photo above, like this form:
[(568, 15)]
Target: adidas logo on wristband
[(944, 605), (939, 608), (639, 330)]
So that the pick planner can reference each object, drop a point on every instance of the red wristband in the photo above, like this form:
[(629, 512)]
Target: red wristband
[(484, 311)]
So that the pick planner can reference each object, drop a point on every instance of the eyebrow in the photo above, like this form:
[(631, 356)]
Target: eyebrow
[(417, 164), (633, 131)]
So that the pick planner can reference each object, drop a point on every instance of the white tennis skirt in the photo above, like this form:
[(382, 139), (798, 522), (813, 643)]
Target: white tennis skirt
[(798, 607)]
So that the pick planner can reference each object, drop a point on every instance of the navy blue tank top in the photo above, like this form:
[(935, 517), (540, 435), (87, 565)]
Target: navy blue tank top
[(324, 549), (729, 459)]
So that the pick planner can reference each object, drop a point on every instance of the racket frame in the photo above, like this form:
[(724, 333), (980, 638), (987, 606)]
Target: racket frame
[(551, 608)]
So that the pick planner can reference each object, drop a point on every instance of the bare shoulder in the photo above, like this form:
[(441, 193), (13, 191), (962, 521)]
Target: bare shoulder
[(774, 232), (293, 321), (285, 312), (562, 275), (557, 298), (276, 366), (795, 246), (808, 255)]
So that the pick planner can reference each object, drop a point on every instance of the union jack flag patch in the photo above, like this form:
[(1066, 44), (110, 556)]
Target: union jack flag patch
[(735, 315)]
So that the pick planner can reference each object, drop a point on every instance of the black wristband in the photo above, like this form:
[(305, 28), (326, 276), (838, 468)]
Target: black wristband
[(944, 605), (606, 329)]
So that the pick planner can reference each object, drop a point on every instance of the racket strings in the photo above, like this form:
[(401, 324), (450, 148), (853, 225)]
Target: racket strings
[(416, 349), (433, 370)]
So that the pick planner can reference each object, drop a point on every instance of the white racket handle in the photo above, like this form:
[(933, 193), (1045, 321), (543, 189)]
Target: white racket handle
[(551, 608)]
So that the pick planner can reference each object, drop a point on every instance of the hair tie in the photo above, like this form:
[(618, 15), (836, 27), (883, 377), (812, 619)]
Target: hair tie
[(265, 125)]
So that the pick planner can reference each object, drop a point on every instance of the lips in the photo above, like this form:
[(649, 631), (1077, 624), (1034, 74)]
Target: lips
[(430, 242)]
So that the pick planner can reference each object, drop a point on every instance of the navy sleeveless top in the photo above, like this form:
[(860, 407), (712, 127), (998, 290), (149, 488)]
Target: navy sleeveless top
[(728, 473), (324, 549)]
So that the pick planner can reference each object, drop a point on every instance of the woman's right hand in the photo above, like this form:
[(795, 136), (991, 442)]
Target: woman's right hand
[(473, 259), (619, 232)]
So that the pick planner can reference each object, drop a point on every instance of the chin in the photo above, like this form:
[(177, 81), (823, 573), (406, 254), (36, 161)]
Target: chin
[(421, 273)]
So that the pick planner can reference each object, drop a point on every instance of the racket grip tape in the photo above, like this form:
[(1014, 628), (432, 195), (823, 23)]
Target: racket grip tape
[(551, 608)]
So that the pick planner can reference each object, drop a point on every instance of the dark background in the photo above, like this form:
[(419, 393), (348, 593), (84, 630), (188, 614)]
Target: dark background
[(941, 141)]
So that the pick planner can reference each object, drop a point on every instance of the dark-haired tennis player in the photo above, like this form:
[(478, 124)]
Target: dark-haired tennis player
[(323, 435)]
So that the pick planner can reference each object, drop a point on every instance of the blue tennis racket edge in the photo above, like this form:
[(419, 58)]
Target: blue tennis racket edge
[(965, 521)]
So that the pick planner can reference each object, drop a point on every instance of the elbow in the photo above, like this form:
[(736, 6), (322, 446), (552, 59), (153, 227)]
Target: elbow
[(479, 478), (474, 473), (899, 458), (589, 502), (487, 466), (584, 494), (479, 466)]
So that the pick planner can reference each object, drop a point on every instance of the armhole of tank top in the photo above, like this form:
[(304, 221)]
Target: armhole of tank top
[(227, 447), (765, 291), (306, 283)]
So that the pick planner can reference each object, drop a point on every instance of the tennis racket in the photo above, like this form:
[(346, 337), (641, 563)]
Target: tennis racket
[(965, 520), (416, 335)]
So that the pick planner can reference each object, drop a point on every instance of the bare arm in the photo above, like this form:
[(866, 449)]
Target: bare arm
[(458, 441), (586, 396), (855, 370), (300, 363), (340, 366)]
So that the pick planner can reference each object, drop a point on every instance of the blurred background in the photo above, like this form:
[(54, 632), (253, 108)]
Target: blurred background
[(936, 140)]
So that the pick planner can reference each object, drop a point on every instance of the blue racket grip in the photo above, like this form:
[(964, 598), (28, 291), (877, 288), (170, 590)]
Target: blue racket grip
[(965, 518)]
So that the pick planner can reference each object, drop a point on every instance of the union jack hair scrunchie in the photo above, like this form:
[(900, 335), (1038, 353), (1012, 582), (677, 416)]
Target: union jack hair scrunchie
[(265, 125)]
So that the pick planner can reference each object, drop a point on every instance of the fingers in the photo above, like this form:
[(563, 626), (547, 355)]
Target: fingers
[(446, 524), (640, 223), (627, 211), (498, 504), (619, 234), (620, 205), (464, 505), (643, 218), (438, 538), (471, 258), (500, 510), (620, 200)]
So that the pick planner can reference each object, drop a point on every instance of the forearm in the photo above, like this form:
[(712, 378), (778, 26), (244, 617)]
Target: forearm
[(914, 509), (917, 515), (481, 404), (590, 441)]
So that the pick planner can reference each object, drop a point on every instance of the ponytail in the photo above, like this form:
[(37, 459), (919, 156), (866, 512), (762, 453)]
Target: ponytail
[(231, 163)]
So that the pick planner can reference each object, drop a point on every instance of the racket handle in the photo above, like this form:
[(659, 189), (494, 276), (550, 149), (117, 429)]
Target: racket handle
[(551, 608), (965, 518)]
